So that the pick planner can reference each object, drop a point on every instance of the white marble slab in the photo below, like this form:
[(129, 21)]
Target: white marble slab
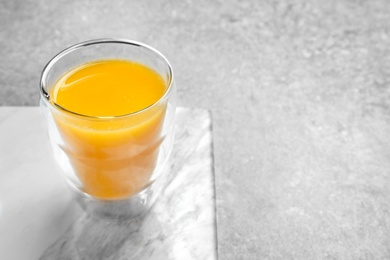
[(39, 219)]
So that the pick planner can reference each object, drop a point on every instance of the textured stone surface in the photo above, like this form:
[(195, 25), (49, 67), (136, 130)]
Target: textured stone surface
[(300, 97)]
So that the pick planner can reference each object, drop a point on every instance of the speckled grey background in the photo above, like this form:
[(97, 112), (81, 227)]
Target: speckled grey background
[(300, 96)]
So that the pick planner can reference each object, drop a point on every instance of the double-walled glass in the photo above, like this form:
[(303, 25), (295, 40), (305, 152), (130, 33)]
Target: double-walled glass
[(110, 158)]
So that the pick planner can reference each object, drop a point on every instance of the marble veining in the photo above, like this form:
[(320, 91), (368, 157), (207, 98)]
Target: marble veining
[(180, 225)]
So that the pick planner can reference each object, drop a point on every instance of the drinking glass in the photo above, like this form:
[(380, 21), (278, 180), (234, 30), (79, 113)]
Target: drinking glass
[(111, 160)]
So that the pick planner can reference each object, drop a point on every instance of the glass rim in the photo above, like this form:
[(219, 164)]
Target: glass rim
[(46, 96)]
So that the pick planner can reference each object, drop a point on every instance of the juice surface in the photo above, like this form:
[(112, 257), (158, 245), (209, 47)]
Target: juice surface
[(109, 88), (112, 159)]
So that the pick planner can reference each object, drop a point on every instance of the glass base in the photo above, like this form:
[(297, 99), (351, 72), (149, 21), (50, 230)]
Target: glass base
[(131, 207)]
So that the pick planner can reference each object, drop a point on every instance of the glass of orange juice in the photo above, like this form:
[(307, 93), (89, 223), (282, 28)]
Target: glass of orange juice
[(109, 105)]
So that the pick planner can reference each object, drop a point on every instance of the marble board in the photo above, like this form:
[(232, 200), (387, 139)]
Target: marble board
[(40, 219)]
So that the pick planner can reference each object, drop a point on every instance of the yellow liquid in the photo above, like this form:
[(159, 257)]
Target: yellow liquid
[(112, 158)]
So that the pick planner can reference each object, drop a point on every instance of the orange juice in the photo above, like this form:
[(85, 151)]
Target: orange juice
[(112, 153)]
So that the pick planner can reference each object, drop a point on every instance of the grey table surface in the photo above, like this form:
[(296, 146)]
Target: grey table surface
[(300, 97)]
